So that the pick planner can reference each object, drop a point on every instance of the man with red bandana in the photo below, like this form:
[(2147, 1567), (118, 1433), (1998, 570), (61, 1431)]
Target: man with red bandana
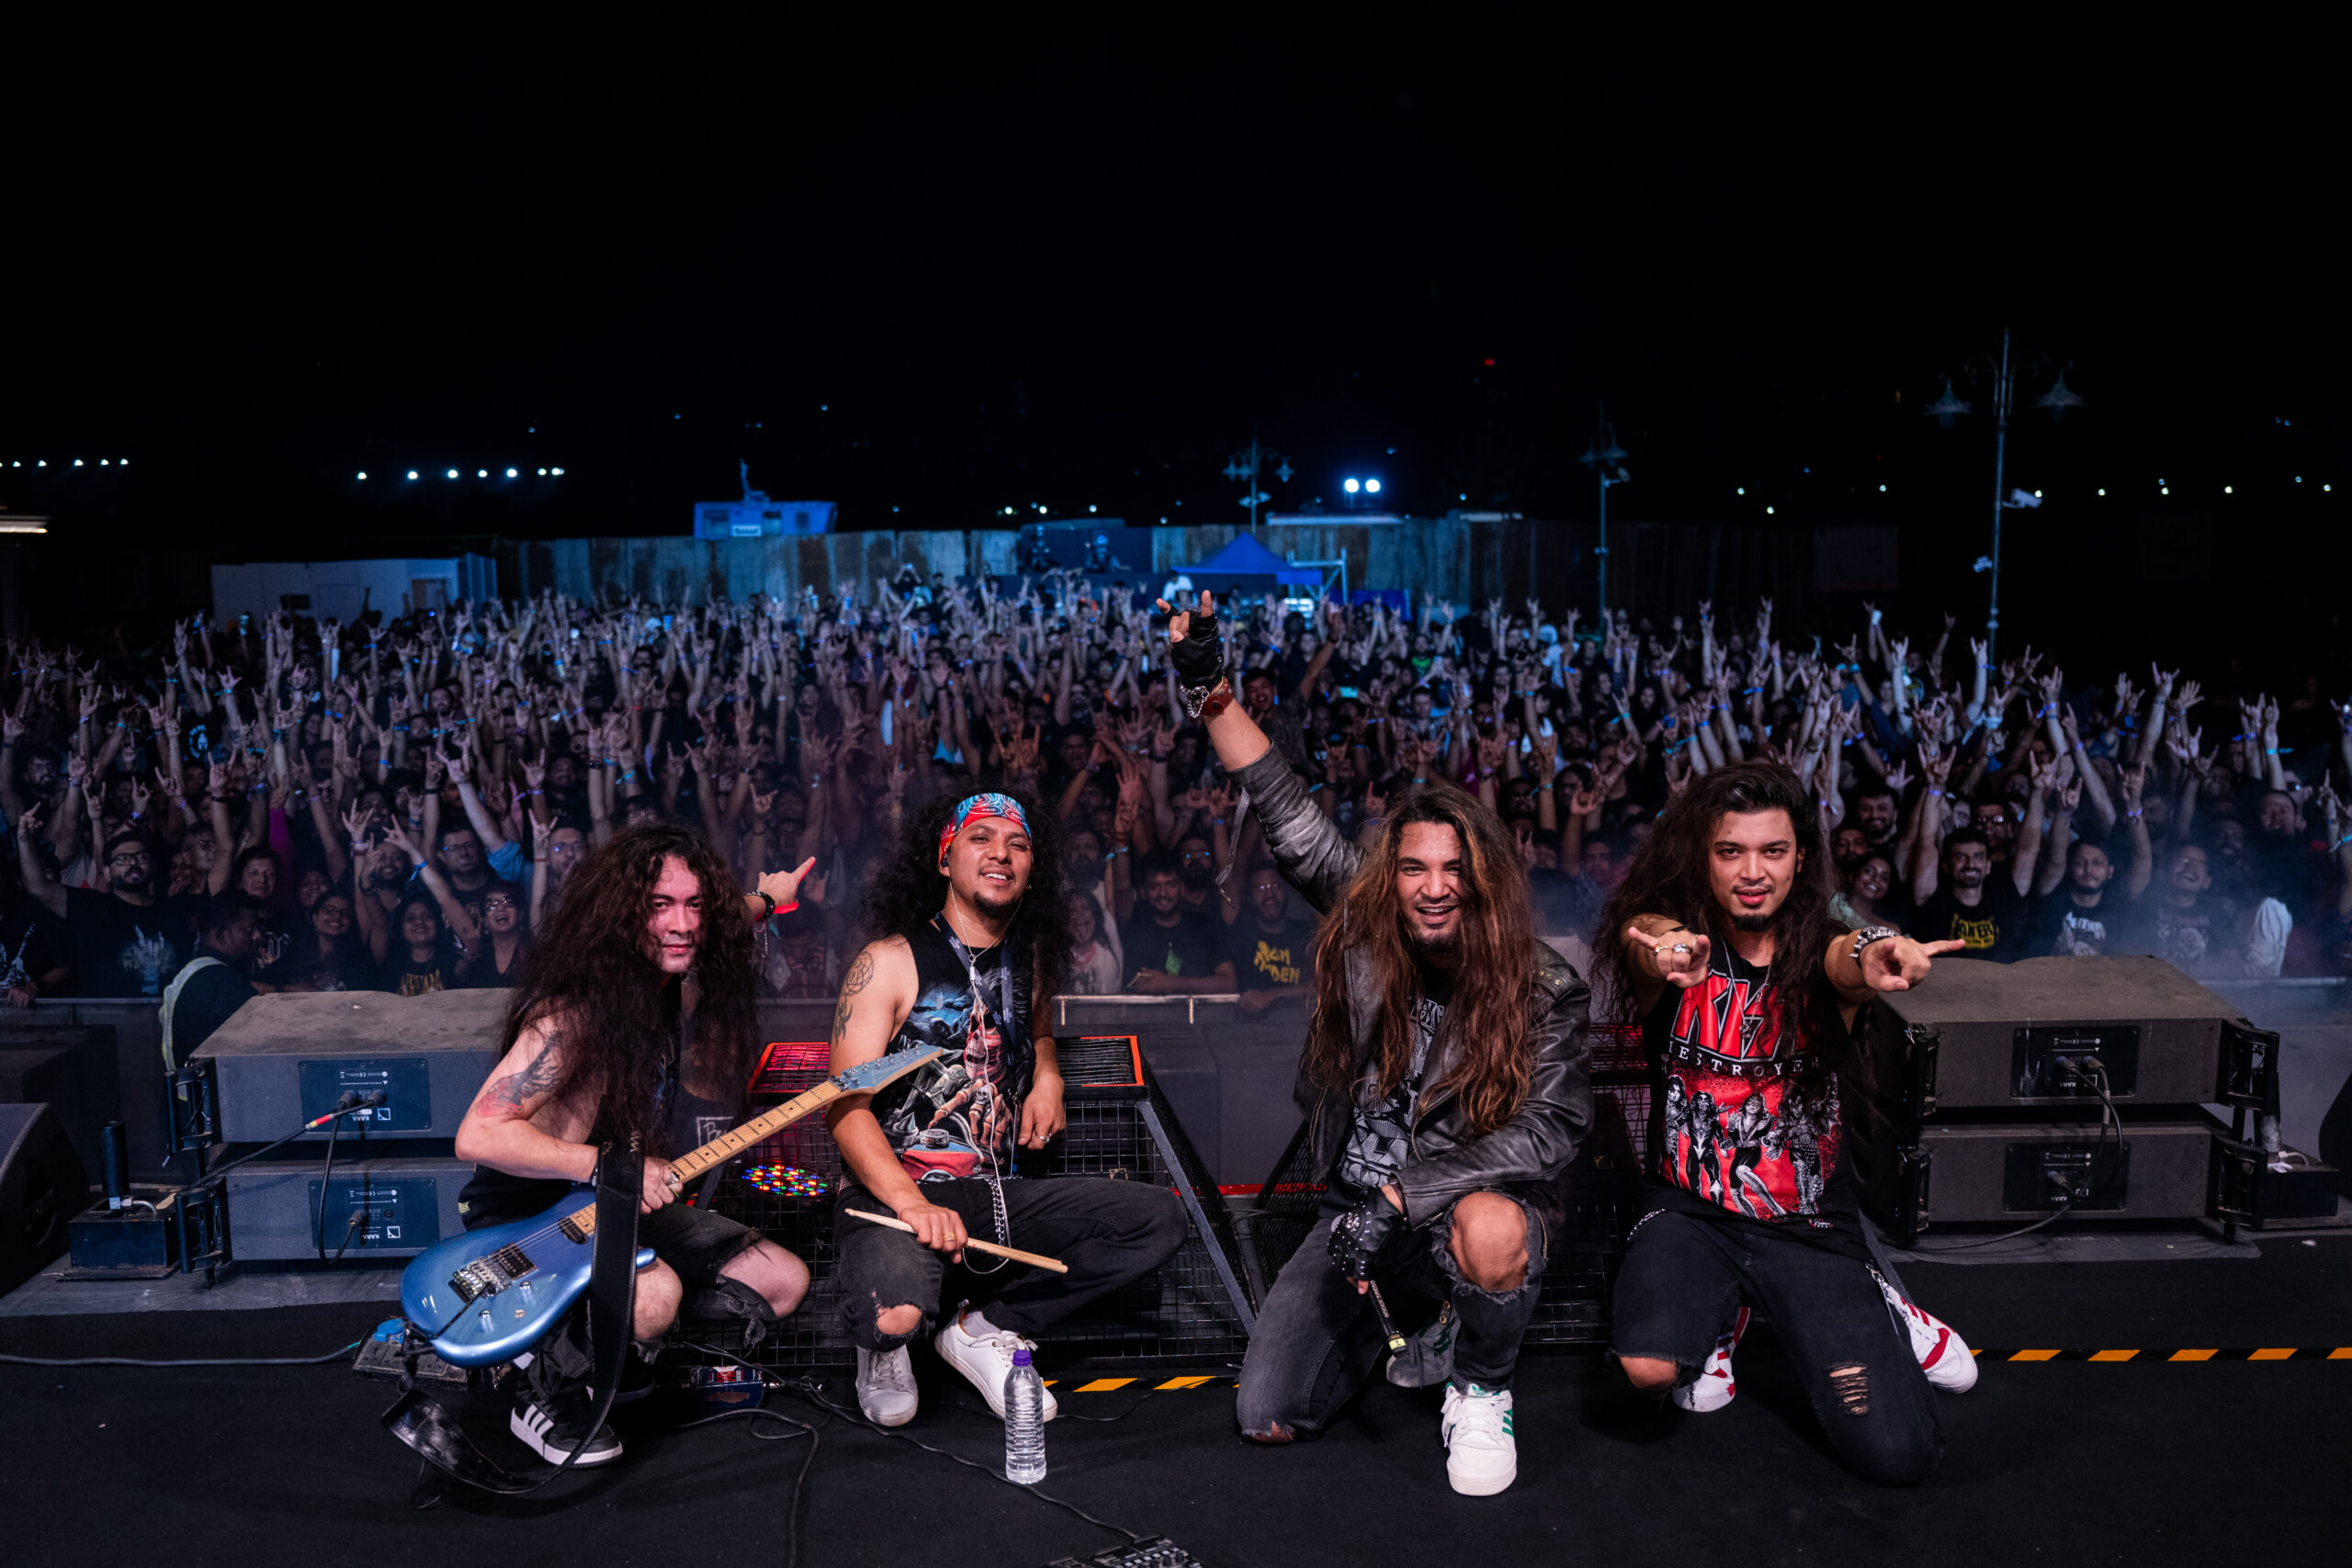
[(977, 911)]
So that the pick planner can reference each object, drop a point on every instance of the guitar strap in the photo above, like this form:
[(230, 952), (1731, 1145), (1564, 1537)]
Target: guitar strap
[(422, 1422)]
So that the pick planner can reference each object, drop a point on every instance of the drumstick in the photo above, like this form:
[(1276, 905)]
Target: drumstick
[(975, 1242)]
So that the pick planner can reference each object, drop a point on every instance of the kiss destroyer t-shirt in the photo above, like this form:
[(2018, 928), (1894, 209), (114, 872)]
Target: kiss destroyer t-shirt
[(1739, 1130)]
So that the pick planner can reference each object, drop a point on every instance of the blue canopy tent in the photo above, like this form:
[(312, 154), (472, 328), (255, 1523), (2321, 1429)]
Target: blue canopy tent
[(1245, 565)]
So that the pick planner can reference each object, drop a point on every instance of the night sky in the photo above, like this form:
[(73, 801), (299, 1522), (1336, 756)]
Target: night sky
[(929, 274)]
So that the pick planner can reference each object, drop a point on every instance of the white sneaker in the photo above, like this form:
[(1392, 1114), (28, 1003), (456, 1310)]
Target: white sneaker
[(984, 1359), (552, 1428), (1714, 1387), (1481, 1458), (886, 1386), (1943, 1355)]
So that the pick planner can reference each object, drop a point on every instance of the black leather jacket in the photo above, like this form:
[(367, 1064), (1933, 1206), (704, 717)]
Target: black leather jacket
[(1529, 1153)]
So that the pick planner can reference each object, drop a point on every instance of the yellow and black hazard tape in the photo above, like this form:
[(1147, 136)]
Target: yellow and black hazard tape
[(2243, 1353), (2267, 1353), (1113, 1385)]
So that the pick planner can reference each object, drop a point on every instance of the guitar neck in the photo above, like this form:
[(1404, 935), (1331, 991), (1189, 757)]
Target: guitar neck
[(582, 1220), (727, 1146)]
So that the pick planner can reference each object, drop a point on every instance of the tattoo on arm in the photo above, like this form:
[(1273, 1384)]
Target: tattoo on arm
[(860, 975), (544, 1073)]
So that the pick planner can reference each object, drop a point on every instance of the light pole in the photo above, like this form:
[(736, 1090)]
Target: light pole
[(1946, 411), (1607, 461), (1244, 465)]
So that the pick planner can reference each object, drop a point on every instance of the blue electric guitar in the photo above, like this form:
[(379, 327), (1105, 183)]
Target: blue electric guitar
[(483, 1296)]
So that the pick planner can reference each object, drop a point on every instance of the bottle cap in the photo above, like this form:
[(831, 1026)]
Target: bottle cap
[(1020, 1356)]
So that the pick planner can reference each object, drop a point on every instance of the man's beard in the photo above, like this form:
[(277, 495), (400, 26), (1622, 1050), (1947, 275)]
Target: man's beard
[(1752, 923), (1194, 878), (1443, 946), (989, 905)]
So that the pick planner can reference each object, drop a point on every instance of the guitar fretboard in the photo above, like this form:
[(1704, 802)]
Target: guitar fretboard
[(727, 1146)]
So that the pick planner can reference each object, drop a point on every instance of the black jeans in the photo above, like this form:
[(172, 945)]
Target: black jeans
[(1110, 1233), (1684, 1277), (1318, 1341)]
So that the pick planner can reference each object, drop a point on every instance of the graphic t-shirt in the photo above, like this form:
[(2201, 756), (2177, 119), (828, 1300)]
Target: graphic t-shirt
[(1737, 1131), (31, 943), (2066, 929), (957, 1115), (1998, 928), (1381, 1140), (1190, 948), (127, 950), (2189, 936), (1263, 960)]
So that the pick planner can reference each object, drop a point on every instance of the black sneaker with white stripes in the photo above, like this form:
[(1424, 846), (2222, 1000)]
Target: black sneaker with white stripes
[(552, 1429)]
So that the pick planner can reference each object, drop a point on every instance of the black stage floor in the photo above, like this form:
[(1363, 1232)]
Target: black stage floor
[(2066, 1460)]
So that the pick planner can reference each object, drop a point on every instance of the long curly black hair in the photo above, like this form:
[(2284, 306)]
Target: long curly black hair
[(615, 1015), (1669, 877), (908, 889)]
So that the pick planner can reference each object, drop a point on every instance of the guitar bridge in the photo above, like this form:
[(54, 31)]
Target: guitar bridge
[(488, 1276)]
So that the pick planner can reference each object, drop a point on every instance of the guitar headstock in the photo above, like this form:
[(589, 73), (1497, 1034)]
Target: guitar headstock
[(867, 1077)]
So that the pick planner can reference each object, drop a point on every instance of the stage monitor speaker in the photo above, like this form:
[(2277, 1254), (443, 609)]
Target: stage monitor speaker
[(406, 1199), (2156, 1169), (72, 1067), (1985, 1035), (282, 1060), (42, 1186)]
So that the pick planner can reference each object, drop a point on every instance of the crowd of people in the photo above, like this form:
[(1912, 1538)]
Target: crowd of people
[(395, 803)]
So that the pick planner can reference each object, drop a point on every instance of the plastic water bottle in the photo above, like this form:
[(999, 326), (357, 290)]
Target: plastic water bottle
[(1024, 1423)]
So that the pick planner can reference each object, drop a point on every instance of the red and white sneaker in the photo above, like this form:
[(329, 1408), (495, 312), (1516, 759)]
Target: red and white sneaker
[(1714, 1387), (1943, 1355)]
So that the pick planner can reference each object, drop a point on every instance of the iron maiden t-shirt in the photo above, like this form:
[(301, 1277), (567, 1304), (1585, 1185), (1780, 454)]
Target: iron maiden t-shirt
[(1739, 1131)]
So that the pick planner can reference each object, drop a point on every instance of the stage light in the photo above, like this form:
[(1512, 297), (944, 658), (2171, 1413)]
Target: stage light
[(363, 473), (1741, 491), (513, 472), (2102, 493), (1350, 486), (1371, 487), (102, 463), (453, 473), (122, 462), (40, 463), (543, 473), (1768, 512), (1882, 490), (77, 462), (557, 472), (481, 473), (2164, 489), (2227, 490), (1089, 509), (411, 473), (2037, 495)]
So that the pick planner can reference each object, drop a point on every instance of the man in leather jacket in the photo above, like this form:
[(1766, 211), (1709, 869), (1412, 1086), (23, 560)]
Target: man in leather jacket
[(1445, 1088)]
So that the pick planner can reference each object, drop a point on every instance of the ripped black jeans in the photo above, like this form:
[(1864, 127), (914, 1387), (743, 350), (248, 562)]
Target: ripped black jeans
[(1317, 1341), (1684, 1277), (1109, 1233)]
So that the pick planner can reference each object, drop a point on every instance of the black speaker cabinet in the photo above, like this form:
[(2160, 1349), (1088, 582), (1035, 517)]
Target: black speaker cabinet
[(1985, 1035), (43, 1185), (2158, 1169)]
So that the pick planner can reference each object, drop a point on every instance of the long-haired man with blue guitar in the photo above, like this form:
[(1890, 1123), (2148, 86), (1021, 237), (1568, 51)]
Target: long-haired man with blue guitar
[(973, 917), (632, 1025)]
